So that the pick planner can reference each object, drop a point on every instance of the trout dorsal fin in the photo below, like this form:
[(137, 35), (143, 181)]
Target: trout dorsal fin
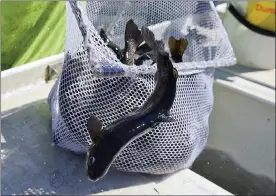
[(94, 126), (133, 34), (149, 37)]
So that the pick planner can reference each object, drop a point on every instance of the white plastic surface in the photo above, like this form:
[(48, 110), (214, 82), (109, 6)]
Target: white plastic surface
[(251, 49), (263, 77)]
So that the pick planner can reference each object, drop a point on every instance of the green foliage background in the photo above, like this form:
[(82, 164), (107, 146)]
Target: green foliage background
[(31, 30)]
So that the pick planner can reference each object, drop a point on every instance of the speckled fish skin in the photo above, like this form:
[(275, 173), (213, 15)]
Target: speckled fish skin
[(116, 136)]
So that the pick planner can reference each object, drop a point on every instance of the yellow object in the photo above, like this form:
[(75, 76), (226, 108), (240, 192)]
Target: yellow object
[(262, 14), (177, 46)]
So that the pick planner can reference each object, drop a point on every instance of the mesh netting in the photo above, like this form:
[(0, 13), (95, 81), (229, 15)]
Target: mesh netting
[(86, 87)]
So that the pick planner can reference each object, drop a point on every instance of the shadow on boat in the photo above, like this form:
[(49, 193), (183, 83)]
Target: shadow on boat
[(31, 165)]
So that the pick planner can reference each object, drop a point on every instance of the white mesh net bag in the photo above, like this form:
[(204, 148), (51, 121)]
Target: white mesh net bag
[(87, 84)]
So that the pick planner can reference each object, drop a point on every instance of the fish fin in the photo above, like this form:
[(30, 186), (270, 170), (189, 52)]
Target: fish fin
[(148, 36), (144, 48), (94, 126), (132, 33), (141, 59), (172, 43), (183, 45), (165, 118), (177, 48), (147, 56), (152, 56)]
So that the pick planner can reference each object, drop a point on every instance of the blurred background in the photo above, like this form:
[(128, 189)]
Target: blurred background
[(31, 31)]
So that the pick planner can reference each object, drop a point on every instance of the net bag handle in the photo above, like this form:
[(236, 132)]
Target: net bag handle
[(82, 23)]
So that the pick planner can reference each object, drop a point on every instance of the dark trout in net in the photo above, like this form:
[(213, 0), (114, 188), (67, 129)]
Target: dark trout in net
[(133, 39), (177, 48), (109, 141)]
